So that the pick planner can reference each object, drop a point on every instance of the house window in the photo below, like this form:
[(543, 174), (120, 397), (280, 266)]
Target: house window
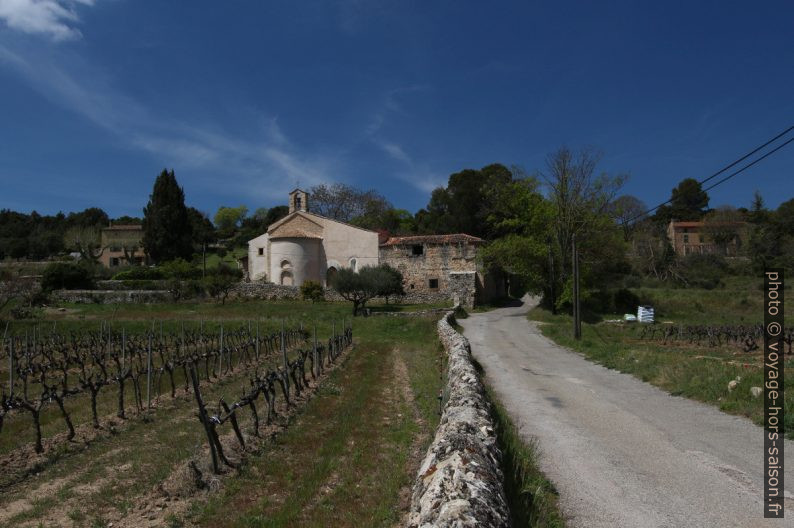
[(433, 283), (261, 251), (353, 264), (418, 249), (114, 262), (297, 202), (686, 239)]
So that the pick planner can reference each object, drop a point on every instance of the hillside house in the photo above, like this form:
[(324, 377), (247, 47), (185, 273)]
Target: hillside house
[(122, 245), (689, 238)]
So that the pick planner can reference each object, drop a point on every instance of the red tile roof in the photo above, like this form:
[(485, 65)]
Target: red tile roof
[(433, 239)]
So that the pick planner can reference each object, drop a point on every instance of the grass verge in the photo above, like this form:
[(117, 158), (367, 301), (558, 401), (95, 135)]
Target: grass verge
[(699, 372)]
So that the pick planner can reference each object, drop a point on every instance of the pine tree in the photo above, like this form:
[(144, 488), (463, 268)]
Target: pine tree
[(167, 231)]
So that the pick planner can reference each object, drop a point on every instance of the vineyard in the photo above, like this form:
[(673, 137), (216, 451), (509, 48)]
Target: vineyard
[(748, 338), (55, 381)]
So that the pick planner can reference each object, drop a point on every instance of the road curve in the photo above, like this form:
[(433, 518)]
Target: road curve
[(621, 452)]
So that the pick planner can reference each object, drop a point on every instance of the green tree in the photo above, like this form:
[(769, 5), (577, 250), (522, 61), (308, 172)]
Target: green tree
[(202, 230), (688, 202), (227, 219), (520, 223), (167, 231), (464, 205), (362, 286)]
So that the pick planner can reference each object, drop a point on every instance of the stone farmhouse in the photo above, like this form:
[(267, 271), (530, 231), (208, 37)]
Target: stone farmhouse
[(306, 246), (121, 245)]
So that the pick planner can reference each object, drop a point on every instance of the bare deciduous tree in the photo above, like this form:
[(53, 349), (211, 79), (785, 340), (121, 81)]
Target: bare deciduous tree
[(85, 240), (344, 203), (578, 195)]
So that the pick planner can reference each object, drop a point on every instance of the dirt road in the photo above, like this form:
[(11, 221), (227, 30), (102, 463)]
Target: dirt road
[(621, 452)]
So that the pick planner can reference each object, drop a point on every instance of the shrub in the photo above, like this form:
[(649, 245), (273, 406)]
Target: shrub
[(625, 301), (140, 273), (218, 282), (66, 276), (312, 291), (180, 269)]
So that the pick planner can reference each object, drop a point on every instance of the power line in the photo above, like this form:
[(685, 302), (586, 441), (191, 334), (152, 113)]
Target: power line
[(727, 167)]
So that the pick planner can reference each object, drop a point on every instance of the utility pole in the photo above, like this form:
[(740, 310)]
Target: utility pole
[(203, 260), (577, 316), (551, 279)]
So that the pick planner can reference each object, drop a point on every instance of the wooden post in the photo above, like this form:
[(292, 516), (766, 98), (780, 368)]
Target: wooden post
[(314, 354), (284, 355), (123, 346), (11, 367), (577, 320), (149, 375), (220, 355), (257, 340)]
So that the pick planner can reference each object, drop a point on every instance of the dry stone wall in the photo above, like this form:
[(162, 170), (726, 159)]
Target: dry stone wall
[(111, 296), (460, 483)]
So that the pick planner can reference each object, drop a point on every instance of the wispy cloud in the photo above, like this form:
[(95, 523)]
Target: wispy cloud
[(417, 174), (53, 18), (263, 166)]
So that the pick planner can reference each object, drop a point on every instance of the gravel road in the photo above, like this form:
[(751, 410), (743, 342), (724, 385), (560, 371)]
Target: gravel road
[(621, 452)]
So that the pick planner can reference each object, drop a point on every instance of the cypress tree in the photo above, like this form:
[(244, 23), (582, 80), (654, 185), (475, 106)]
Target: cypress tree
[(167, 232)]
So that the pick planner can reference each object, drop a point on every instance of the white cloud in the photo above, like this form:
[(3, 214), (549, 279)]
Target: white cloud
[(54, 18), (395, 151)]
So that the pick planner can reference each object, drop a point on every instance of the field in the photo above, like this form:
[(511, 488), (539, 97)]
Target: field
[(695, 350), (346, 449)]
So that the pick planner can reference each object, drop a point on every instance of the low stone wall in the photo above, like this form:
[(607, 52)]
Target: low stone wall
[(265, 290), (111, 296), (130, 284), (460, 483), (417, 313)]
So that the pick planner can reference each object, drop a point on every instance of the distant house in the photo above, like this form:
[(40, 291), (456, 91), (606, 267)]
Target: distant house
[(122, 245), (691, 238)]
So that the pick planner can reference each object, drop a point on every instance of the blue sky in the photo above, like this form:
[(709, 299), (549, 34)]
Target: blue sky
[(246, 100)]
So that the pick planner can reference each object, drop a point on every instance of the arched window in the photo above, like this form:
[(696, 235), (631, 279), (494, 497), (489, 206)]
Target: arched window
[(354, 264), (285, 265)]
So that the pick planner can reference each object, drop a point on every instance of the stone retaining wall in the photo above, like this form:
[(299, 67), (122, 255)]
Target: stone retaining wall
[(111, 296), (460, 483)]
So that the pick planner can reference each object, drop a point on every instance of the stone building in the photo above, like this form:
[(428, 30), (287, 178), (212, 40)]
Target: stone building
[(441, 264), (122, 245), (306, 246)]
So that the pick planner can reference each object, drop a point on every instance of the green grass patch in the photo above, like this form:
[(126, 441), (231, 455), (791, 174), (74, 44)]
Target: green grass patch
[(699, 372)]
